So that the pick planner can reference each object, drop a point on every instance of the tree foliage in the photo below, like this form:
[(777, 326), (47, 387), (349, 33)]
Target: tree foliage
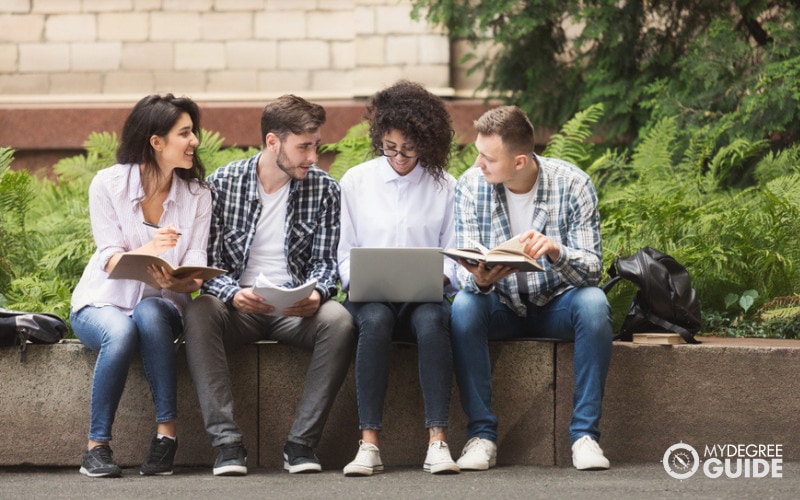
[(706, 63)]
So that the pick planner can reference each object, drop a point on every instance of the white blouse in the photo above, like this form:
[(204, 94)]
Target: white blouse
[(115, 197), (383, 209)]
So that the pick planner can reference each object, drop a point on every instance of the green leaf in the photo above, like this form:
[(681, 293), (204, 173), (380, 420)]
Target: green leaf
[(746, 301)]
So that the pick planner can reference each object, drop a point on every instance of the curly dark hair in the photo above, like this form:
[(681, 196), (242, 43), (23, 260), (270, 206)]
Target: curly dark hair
[(420, 116)]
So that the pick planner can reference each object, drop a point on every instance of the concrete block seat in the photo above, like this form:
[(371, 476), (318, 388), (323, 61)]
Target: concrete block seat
[(720, 391)]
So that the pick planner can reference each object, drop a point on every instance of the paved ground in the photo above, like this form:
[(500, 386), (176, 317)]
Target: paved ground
[(648, 481)]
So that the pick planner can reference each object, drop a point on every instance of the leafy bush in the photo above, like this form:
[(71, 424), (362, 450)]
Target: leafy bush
[(729, 238), (16, 194)]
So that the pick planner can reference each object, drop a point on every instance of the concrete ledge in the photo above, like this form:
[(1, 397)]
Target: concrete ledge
[(523, 400), (46, 399), (719, 392), (723, 391)]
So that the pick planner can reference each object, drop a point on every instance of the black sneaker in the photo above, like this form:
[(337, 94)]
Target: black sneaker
[(231, 460), (160, 458), (99, 462), (300, 458)]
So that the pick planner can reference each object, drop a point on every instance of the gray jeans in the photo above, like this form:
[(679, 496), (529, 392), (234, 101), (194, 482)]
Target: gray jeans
[(211, 326)]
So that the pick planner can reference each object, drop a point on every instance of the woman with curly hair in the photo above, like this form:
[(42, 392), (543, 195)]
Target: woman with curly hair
[(402, 198)]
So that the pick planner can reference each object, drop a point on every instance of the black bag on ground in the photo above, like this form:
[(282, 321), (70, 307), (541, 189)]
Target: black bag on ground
[(665, 301), (17, 328)]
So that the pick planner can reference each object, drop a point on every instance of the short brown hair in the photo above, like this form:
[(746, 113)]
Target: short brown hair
[(513, 127), (290, 114)]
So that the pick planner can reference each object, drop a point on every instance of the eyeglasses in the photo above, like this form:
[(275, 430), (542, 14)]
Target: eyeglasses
[(391, 153)]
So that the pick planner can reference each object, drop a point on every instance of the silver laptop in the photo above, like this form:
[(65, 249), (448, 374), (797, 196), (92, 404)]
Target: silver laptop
[(396, 275)]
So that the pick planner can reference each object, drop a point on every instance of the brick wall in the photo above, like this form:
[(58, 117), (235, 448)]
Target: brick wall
[(105, 49)]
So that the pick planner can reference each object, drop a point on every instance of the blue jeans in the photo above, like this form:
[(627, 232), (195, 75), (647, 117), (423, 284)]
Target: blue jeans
[(580, 314), (378, 323), (116, 337)]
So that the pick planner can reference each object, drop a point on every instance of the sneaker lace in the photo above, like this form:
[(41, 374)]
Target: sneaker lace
[(103, 454), (229, 453), (591, 444), (159, 449), (472, 443), (439, 451), (300, 451)]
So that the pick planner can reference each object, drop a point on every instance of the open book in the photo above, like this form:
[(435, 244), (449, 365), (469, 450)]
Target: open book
[(133, 266), (509, 253), (281, 298)]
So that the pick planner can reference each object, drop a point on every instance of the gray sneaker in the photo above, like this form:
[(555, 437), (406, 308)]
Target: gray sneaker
[(231, 460), (99, 462)]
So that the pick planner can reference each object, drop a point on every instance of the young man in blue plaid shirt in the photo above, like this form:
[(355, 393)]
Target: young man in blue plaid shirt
[(274, 216), (551, 207)]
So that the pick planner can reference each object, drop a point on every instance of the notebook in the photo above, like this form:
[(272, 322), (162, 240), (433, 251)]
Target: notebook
[(396, 274)]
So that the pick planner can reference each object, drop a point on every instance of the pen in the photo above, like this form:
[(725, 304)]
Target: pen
[(154, 226)]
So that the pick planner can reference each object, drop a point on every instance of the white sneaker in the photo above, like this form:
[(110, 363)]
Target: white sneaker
[(587, 455), (438, 459), (478, 454), (367, 461)]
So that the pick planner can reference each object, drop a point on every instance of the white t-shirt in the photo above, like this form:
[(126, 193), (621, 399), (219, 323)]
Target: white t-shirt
[(520, 215), (268, 252)]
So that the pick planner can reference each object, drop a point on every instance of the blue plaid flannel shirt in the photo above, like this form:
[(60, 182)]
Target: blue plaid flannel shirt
[(311, 232), (565, 209)]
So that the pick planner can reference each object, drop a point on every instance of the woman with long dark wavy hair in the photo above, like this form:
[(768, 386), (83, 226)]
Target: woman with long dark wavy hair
[(153, 201)]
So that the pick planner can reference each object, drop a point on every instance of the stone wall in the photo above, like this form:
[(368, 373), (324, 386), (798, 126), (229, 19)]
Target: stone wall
[(220, 49), (739, 391)]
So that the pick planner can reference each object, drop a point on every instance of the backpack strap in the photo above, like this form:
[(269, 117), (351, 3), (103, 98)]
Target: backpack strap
[(666, 325), (610, 284)]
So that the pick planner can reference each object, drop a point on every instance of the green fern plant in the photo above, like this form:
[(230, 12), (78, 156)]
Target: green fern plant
[(572, 142), (101, 152), (16, 196), (354, 148), (461, 158), (214, 155)]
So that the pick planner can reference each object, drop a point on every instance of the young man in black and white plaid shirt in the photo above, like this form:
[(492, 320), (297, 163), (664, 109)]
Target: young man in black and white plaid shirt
[(277, 215)]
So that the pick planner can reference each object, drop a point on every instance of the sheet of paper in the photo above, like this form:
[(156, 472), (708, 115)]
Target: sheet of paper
[(280, 297)]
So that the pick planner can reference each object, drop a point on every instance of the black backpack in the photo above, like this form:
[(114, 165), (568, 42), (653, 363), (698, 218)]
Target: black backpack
[(17, 328), (665, 301)]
